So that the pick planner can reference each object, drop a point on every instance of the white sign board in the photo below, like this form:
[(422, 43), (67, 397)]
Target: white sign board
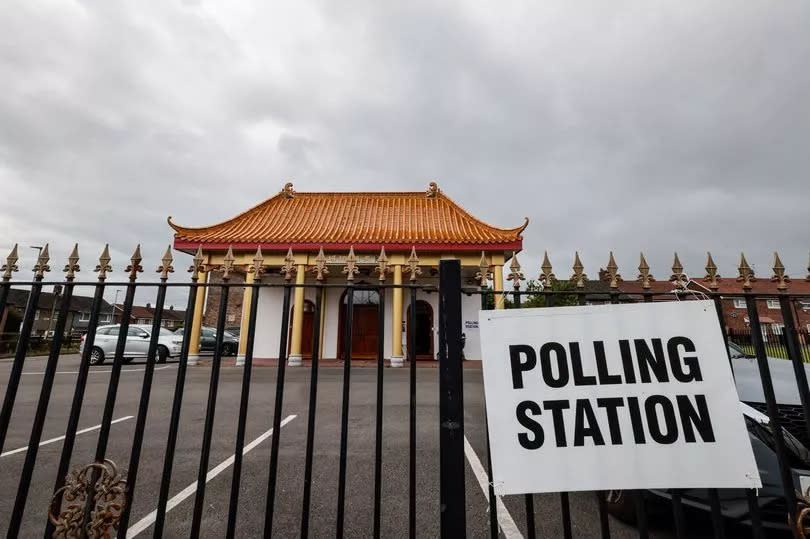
[(631, 396)]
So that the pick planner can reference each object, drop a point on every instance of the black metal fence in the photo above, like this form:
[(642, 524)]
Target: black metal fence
[(98, 499)]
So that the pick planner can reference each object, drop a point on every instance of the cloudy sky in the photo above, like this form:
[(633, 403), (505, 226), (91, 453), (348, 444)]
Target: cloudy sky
[(624, 126)]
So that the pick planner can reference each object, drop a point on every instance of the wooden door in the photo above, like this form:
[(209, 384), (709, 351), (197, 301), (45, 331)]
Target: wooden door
[(364, 331)]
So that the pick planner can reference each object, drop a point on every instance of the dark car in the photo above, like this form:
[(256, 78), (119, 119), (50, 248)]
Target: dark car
[(208, 339), (733, 502)]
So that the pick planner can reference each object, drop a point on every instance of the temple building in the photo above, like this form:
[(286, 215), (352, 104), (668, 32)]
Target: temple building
[(412, 229)]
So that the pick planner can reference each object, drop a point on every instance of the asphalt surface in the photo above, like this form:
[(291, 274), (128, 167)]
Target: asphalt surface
[(292, 443)]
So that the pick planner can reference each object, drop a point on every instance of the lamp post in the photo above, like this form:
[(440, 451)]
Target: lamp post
[(112, 311)]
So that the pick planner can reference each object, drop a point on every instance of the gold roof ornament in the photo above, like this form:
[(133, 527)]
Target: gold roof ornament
[(320, 269), (257, 268), (644, 276), (135, 264), (227, 264), (289, 268), (746, 273), (515, 275), (288, 190), (350, 269), (711, 273), (413, 265), (197, 263), (11, 264), (613, 272), (579, 276), (42, 263), (779, 276), (432, 190), (484, 272), (382, 265), (103, 266), (73, 264), (166, 267), (546, 276)]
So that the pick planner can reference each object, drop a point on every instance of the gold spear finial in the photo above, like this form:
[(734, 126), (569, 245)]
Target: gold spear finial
[(258, 262), (483, 274), (515, 275), (746, 273), (42, 263), (11, 264), (382, 265), (288, 269), (779, 276), (320, 269), (227, 264), (579, 276), (613, 272), (546, 276), (413, 265), (350, 269), (135, 264), (104, 263), (711, 273), (197, 263), (678, 277), (644, 273), (73, 264), (166, 267)]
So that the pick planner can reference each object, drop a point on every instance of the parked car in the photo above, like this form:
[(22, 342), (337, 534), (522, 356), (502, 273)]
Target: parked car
[(733, 502), (208, 339), (137, 344)]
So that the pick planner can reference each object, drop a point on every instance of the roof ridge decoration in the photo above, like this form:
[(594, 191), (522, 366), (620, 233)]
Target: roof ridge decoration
[(432, 190)]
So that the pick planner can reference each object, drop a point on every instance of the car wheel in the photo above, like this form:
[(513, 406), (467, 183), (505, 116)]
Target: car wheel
[(96, 356), (620, 504), (227, 349), (162, 354)]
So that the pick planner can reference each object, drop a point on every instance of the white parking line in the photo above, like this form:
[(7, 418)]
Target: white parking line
[(149, 519), (58, 438), (505, 520), (96, 371)]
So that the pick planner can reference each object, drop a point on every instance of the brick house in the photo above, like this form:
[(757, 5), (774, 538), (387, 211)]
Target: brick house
[(144, 314), (47, 310)]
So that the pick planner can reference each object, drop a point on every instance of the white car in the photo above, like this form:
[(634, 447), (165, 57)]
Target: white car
[(138, 338)]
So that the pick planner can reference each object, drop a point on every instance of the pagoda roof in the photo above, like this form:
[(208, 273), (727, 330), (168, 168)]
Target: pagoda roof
[(396, 220)]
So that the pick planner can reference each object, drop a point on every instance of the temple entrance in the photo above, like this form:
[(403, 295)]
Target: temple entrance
[(365, 330), (423, 330), (307, 327)]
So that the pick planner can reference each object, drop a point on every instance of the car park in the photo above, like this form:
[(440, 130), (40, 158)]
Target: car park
[(208, 339), (138, 340)]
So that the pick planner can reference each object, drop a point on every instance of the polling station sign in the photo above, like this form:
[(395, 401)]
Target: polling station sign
[(629, 396)]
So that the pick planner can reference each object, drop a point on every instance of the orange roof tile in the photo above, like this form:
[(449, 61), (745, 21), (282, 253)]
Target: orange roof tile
[(309, 220)]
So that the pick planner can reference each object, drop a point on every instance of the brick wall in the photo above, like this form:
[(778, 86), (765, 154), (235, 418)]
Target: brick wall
[(233, 316)]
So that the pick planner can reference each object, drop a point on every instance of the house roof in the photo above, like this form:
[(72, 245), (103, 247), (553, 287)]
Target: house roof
[(148, 312), (364, 220), (19, 298), (760, 285)]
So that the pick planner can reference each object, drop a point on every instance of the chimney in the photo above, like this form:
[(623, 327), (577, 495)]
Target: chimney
[(171, 307), (148, 305)]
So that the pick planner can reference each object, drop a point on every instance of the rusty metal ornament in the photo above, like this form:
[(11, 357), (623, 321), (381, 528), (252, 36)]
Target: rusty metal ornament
[(484, 272), (103, 266), (350, 269), (73, 264), (746, 273), (711, 273), (257, 268), (644, 276), (613, 272), (515, 275), (107, 505), (382, 265), (227, 264), (779, 276), (579, 276), (166, 267), (42, 263), (413, 265), (196, 263), (546, 276), (135, 264), (11, 264), (289, 268), (319, 269)]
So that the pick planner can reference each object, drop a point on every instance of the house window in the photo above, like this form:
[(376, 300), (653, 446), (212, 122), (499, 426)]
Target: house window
[(778, 328), (84, 317), (739, 303), (104, 318), (773, 303)]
